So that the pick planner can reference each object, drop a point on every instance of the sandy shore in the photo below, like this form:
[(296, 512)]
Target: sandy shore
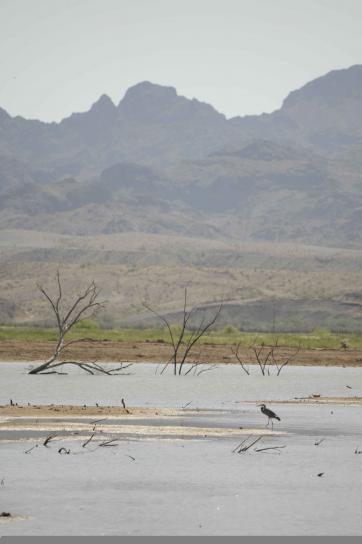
[(60, 411), (114, 421), (99, 412)]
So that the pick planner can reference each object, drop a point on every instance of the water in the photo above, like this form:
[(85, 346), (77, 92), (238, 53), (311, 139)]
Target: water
[(222, 388), (149, 486)]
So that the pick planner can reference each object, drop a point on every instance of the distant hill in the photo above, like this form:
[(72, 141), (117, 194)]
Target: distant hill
[(325, 114), (160, 163)]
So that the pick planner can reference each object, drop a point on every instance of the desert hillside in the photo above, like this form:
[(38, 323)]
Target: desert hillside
[(159, 192)]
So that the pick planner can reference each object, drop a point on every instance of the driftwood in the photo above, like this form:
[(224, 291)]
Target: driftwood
[(87, 441), (130, 456), (48, 439), (98, 421), (31, 449), (270, 448), (124, 406), (109, 443), (244, 446)]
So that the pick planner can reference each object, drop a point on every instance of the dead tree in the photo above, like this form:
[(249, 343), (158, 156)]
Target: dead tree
[(262, 356), (83, 306), (185, 338), (278, 360), (266, 357), (239, 359)]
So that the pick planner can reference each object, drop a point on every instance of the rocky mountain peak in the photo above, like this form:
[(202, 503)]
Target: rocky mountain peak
[(103, 105), (333, 88)]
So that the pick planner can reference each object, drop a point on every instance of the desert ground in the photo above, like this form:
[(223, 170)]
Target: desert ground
[(155, 352), (298, 287)]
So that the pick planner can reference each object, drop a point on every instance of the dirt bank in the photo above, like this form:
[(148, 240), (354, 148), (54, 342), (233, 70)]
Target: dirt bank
[(107, 351)]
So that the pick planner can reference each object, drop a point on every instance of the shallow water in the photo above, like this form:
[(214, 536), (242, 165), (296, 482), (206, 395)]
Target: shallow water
[(185, 487), (222, 388)]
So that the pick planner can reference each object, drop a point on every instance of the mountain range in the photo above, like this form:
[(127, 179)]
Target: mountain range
[(159, 192), (160, 163)]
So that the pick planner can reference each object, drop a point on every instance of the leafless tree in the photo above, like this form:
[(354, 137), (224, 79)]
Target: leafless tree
[(83, 306), (236, 352), (184, 339), (266, 357), (262, 356), (280, 361)]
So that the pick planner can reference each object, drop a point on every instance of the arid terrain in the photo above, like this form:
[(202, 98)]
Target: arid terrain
[(160, 192), (158, 352), (290, 287), (180, 282)]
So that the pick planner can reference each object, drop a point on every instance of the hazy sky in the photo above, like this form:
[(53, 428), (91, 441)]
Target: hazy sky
[(243, 57)]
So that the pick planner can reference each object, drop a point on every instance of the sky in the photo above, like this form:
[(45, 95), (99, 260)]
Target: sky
[(241, 56)]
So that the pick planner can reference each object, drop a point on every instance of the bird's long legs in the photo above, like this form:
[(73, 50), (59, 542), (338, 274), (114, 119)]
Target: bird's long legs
[(270, 420)]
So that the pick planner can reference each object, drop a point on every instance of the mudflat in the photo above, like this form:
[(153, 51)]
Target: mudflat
[(100, 413), (110, 351)]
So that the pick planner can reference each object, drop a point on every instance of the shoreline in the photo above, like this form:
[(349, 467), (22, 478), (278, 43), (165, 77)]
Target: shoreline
[(16, 351), (58, 411)]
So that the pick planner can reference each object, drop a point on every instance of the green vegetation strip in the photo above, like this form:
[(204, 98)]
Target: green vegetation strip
[(228, 335)]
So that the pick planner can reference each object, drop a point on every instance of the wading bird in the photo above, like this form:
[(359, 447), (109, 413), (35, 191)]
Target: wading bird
[(269, 413)]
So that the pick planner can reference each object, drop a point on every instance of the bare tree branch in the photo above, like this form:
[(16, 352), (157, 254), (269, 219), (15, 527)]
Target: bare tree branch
[(279, 365), (87, 441), (181, 347), (266, 357), (48, 439), (241, 448), (240, 361), (84, 305), (270, 448), (109, 443)]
